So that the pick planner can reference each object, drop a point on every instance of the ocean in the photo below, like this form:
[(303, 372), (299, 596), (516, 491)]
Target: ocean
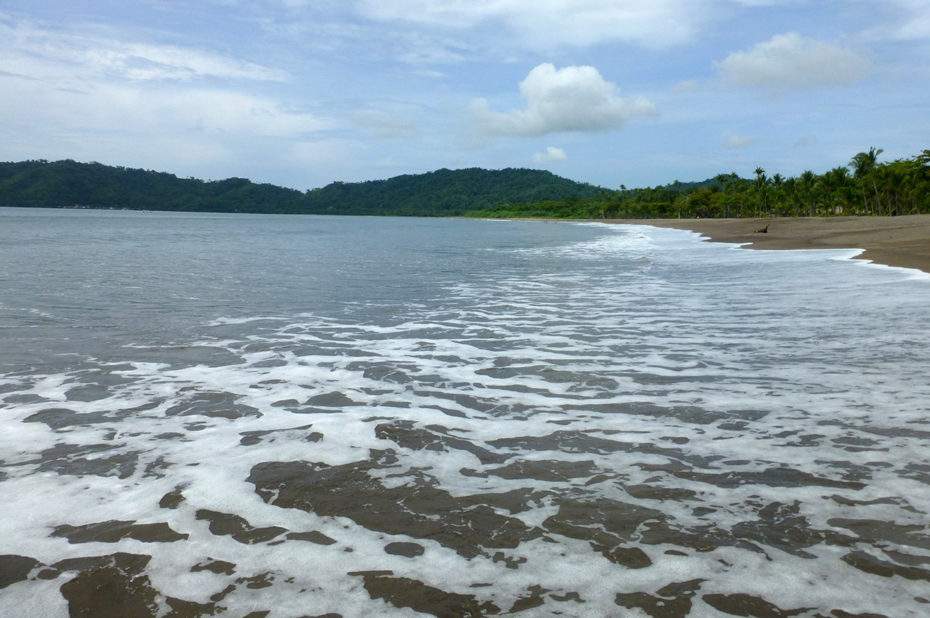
[(281, 416)]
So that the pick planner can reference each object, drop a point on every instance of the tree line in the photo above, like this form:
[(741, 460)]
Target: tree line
[(443, 192), (863, 187)]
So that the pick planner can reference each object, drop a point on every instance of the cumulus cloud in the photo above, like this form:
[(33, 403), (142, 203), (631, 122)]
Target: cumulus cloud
[(551, 155), (741, 141), (649, 23), (575, 98), (794, 62)]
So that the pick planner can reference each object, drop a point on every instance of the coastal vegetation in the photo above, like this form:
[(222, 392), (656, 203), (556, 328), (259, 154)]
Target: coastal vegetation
[(440, 193), (864, 186)]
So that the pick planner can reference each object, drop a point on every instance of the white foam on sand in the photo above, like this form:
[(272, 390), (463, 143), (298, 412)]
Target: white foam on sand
[(676, 389)]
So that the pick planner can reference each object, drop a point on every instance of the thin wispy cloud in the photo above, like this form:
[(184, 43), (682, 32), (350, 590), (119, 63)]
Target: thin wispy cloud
[(87, 55), (212, 113), (80, 86), (544, 23), (909, 20), (575, 98), (164, 62)]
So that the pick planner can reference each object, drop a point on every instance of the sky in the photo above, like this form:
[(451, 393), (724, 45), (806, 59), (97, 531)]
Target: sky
[(301, 93)]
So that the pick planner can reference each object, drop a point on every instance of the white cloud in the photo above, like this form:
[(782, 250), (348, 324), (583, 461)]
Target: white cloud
[(47, 54), (575, 98), (792, 62), (910, 21), (741, 141), (225, 111), (551, 155), (543, 23), (89, 85), (165, 62), (139, 114)]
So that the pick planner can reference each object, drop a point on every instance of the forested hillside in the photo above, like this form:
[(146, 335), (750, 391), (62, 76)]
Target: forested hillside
[(444, 192), (441, 193), (864, 186), (93, 185)]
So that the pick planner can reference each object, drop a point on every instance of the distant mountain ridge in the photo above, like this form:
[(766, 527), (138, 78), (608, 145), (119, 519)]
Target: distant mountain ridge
[(443, 192)]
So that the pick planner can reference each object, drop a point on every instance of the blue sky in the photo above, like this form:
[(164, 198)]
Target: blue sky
[(304, 92)]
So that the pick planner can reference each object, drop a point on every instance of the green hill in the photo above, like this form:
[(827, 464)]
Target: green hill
[(445, 192), (93, 185), (440, 193)]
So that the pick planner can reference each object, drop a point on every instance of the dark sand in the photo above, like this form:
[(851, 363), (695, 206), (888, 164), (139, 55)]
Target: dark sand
[(894, 241)]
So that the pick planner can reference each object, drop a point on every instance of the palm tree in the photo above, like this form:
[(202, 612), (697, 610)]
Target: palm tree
[(919, 183), (791, 194), (836, 184), (863, 166), (777, 182), (806, 189), (864, 162), (761, 183), (895, 177)]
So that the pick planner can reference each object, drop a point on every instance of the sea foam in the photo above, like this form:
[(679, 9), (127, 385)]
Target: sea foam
[(605, 425)]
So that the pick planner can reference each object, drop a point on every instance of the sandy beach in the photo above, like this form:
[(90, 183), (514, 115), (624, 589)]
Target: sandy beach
[(894, 241)]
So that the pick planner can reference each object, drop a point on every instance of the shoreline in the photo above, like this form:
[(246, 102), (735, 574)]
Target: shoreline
[(902, 242)]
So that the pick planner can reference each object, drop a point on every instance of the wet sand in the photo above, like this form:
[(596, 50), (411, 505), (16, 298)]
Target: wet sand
[(893, 241)]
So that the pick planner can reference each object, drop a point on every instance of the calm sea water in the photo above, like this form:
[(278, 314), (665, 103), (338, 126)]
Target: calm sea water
[(306, 416)]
